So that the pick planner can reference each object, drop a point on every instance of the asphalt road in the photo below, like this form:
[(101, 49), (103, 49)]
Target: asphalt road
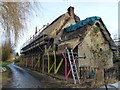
[(114, 86), (22, 78)]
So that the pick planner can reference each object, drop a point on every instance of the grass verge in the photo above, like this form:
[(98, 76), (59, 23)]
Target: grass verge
[(18, 63), (5, 76)]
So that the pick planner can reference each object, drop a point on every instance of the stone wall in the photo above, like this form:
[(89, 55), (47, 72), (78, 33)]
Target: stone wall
[(96, 49)]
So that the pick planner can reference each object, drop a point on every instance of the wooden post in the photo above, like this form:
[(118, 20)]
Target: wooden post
[(65, 64), (80, 72), (48, 62), (50, 68), (22, 60), (54, 64), (43, 64), (38, 61), (32, 61), (58, 66), (54, 61), (26, 61)]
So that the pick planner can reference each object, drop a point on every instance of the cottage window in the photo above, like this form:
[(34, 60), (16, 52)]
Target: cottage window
[(101, 49), (97, 24)]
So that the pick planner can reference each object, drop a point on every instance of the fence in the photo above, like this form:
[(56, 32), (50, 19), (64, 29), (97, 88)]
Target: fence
[(112, 73), (89, 72)]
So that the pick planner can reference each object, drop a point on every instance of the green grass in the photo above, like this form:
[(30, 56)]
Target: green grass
[(4, 64), (6, 76), (19, 63)]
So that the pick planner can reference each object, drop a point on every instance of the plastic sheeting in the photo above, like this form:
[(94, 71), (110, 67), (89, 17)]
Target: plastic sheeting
[(82, 23)]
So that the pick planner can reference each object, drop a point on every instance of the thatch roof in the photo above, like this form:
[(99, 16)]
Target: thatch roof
[(79, 30), (70, 32), (56, 25), (52, 30)]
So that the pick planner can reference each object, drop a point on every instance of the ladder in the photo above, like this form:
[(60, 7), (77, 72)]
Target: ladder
[(73, 66)]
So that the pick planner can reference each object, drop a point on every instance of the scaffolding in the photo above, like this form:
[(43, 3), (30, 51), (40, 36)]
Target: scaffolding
[(38, 61)]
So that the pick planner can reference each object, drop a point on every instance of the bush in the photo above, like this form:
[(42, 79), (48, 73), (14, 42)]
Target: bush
[(6, 51)]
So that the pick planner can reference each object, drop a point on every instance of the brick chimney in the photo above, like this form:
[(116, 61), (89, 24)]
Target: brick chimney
[(71, 11)]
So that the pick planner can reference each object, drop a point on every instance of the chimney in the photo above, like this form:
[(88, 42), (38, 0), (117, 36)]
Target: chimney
[(36, 30), (71, 11)]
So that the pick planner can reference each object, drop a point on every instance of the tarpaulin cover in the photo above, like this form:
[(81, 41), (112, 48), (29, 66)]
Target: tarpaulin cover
[(82, 23)]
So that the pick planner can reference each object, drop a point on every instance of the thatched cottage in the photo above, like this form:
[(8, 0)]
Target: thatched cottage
[(88, 38)]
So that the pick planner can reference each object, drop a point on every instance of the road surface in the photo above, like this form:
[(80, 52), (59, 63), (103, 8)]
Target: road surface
[(114, 86), (22, 78)]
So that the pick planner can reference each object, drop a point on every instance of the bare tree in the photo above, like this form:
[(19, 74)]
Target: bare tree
[(12, 18)]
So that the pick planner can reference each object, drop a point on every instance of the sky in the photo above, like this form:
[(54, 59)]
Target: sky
[(49, 11)]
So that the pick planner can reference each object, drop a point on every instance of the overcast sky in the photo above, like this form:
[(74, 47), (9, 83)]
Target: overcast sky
[(49, 11)]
